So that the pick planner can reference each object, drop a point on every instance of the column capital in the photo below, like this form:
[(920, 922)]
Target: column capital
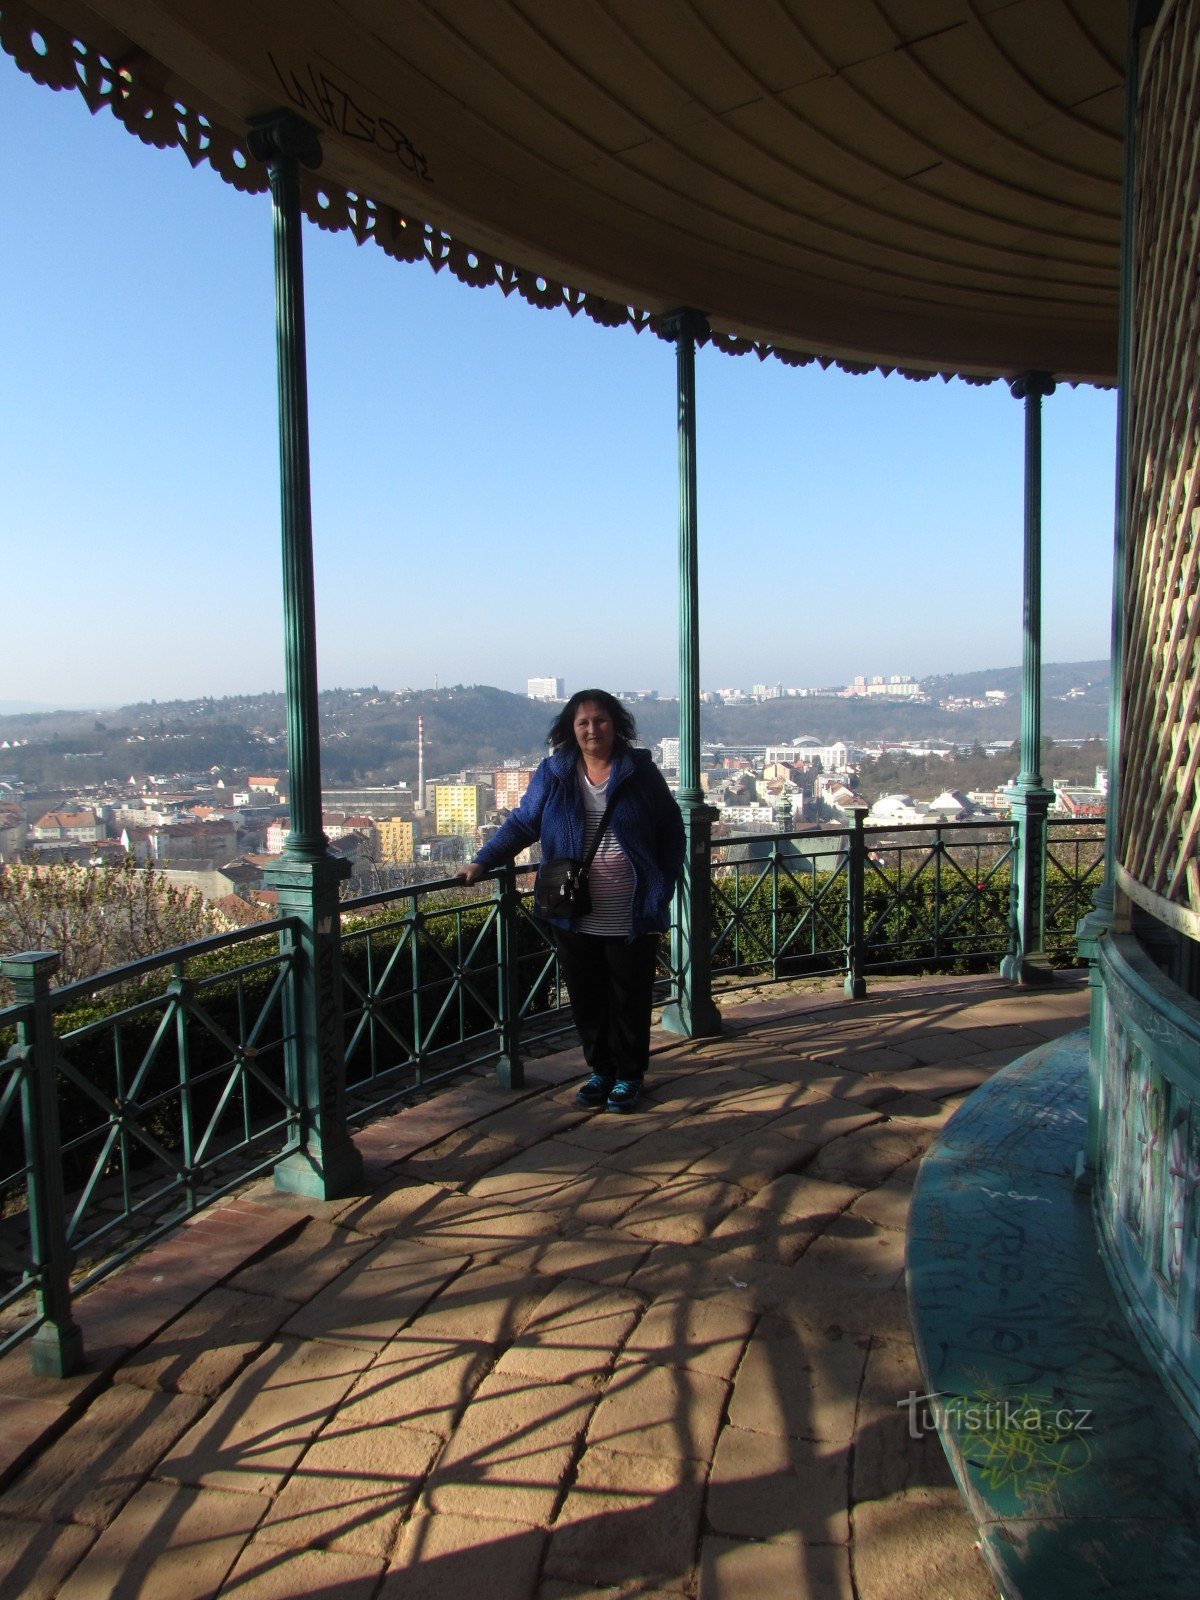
[(684, 322), (1027, 384), (281, 135), (29, 965)]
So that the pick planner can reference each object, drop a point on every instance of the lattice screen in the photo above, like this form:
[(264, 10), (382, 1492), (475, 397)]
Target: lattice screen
[(1160, 785)]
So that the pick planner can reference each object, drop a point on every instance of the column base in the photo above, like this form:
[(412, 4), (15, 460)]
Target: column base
[(510, 1072), (56, 1351), (702, 1023), (1031, 970), (334, 1174), (854, 988)]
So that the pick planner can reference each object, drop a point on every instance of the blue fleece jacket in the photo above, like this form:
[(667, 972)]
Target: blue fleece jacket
[(645, 822)]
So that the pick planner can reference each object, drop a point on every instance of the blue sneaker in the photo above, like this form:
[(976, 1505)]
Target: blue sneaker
[(626, 1093), (595, 1091)]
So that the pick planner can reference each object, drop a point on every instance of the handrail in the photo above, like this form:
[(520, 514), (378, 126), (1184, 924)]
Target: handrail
[(116, 1127), (84, 988)]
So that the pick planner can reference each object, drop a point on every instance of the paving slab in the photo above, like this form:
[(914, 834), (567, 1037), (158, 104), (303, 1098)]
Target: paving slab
[(734, 1569), (764, 1485), (601, 1255), (864, 1157), (89, 1473), (36, 1557), (301, 1267), (750, 1161), (479, 1227), (204, 1349), (451, 1557), (885, 1207), (511, 1451), (573, 1335), (654, 1410), (353, 1486), (422, 1382), (682, 1210), (923, 1545), (266, 1571), (378, 1295), (169, 1543), (706, 1336), (536, 1175), (253, 1436), (793, 1383), (662, 1154), (628, 1518), (483, 1306)]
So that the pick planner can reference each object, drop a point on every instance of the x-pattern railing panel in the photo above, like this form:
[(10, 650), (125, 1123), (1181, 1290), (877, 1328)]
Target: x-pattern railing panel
[(165, 1100), (438, 988), (1074, 871), (19, 1273), (777, 912), (540, 989), (922, 902), (178, 1115)]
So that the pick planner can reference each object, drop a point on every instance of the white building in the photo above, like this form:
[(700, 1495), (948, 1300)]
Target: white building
[(835, 757), (545, 689), (891, 808), (743, 816)]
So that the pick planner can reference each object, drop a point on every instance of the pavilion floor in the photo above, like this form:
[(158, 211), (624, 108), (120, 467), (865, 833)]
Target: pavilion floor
[(545, 1353)]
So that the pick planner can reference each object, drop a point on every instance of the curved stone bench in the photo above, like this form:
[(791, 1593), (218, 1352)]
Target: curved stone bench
[(1078, 1470)]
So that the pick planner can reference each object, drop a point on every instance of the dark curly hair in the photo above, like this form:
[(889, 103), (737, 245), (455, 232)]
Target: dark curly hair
[(562, 729)]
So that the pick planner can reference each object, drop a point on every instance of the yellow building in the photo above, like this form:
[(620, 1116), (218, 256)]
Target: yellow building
[(396, 841), (459, 807)]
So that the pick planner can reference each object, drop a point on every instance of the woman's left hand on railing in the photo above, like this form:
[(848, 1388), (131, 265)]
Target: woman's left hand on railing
[(470, 872)]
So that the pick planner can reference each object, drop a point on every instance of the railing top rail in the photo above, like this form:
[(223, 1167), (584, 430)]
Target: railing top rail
[(845, 830), (82, 988), (774, 838), (941, 825), (410, 891)]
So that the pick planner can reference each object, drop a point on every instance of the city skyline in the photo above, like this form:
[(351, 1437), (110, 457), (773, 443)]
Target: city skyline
[(482, 471)]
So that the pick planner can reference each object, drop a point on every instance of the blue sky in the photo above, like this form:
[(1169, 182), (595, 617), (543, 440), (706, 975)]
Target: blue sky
[(494, 487)]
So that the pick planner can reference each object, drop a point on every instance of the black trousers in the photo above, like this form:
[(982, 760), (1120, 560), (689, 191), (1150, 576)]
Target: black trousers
[(611, 987)]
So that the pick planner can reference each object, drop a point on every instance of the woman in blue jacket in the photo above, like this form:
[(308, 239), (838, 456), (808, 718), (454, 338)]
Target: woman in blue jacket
[(608, 957)]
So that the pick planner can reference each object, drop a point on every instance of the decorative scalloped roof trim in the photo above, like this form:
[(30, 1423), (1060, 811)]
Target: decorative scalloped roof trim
[(60, 59)]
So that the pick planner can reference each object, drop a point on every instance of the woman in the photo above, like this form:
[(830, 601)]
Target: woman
[(608, 957)]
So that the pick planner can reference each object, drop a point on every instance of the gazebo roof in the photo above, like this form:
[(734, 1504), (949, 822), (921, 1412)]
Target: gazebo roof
[(932, 185)]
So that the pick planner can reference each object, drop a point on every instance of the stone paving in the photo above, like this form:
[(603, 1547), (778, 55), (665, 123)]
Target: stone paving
[(546, 1353)]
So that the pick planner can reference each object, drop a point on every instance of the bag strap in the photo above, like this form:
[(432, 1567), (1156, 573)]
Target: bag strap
[(599, 834)]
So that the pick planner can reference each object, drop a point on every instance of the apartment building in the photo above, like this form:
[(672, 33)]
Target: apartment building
[(508, 785), (397, 841), (458, 807)]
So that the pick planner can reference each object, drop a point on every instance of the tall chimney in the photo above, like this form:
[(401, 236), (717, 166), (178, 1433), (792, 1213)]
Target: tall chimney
[(420, 763)]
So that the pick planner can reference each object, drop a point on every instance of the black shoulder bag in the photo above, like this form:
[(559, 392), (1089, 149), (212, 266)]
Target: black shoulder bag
[(561, 890)]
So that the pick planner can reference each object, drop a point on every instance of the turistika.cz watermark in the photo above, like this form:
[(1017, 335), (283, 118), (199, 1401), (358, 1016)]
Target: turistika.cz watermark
[(1035, 1416)]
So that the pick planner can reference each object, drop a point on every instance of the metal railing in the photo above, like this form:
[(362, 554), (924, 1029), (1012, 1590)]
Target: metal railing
[(858, 899), (130, 1100), (437, 978)]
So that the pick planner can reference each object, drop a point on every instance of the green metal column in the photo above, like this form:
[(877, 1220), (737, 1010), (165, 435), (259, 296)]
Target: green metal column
[(1027, 961), (56, 1349), (694, 1014), (325, 1163), (854, 985)]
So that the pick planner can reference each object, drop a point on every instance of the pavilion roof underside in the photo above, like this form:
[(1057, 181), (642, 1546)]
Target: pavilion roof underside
[(929, 185)]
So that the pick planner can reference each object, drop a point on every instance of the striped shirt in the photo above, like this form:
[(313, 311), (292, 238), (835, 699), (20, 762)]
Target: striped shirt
[(610, 877)]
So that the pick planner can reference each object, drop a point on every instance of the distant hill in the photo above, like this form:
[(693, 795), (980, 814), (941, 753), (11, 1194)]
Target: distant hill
[(369, 735)]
